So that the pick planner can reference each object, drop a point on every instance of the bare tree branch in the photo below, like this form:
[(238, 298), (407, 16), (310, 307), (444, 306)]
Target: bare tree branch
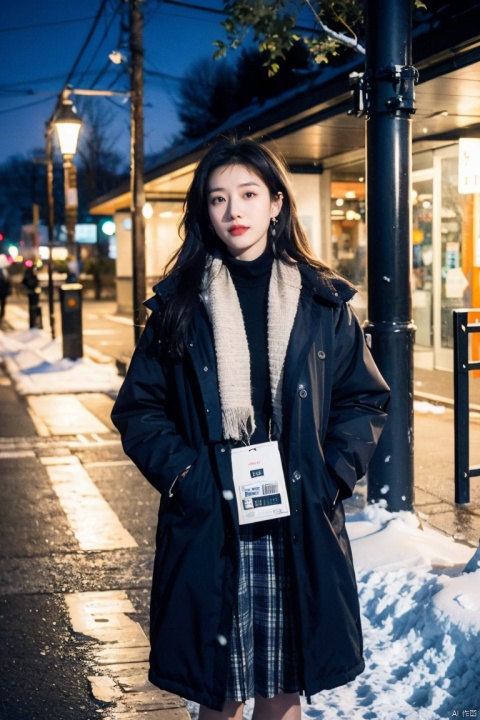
[(351, 42)]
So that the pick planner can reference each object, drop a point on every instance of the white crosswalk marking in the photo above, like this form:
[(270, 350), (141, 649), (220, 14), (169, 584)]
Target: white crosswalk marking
[(120, 657), (94, 523), (65, 415)]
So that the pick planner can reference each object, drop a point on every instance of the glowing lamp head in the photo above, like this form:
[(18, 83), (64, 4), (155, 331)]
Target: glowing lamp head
[(68, 126)]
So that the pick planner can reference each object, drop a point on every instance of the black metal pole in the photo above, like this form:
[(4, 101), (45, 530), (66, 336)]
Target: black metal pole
[(461, 406), (388, 85), (71, 203), (137, 168), (51, 225)]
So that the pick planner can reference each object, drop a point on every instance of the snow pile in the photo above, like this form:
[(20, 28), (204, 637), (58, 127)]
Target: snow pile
[(421, 620), (35, 364), (424, 407)]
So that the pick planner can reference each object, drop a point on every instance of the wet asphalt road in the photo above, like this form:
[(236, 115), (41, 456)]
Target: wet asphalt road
[(44, 664)]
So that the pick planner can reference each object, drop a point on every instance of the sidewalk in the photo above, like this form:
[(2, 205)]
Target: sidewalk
[(437, 386), (434, 455), (411, 579)]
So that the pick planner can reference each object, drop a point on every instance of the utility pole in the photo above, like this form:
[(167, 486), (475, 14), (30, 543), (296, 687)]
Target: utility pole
[(388, 93), (137, 162), (36, 221)]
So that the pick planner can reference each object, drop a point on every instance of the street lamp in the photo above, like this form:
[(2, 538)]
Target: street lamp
[(68, 124)]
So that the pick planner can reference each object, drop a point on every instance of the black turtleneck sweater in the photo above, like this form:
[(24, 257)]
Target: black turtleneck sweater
[(251, 280)]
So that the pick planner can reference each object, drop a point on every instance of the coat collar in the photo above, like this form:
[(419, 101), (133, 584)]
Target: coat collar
[(334, 290), (163, 290)]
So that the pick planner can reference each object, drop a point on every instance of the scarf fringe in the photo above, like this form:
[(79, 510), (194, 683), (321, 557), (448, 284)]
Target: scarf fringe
[(238, 423)]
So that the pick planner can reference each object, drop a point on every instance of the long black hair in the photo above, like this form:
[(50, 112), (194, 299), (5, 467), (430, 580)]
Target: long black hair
[(200, 240)]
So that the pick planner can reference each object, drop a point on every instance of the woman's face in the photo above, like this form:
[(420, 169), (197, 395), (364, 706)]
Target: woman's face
[(240, 209)]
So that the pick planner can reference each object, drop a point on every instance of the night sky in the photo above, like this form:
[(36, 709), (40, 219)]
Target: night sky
[(40, 43)]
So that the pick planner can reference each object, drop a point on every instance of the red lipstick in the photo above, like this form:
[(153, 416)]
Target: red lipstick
[(237, 229)]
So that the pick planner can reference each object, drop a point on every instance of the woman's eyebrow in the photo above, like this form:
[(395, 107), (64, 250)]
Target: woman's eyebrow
[(245, 184)]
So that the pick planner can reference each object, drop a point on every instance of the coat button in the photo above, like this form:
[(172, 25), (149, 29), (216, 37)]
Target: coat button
[(205, 369), (302, 393), (321, 355), (294, 538), (296, 476)]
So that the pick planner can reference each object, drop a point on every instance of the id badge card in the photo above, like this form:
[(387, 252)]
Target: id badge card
[(259, 483)]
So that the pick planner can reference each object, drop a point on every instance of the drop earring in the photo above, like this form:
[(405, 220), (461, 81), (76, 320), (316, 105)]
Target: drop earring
[(273, 223)]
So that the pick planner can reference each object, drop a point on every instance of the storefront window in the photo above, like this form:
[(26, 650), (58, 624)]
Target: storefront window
[(422, 260), (349, 238), (445, 249), (456, 227)]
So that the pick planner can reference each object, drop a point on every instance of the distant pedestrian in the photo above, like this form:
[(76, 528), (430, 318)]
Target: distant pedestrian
[(5, 288), (32, 285), (72, 271), (30, 280), (253, 405)]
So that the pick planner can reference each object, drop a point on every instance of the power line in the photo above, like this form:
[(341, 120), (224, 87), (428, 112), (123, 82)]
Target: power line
[(99, 45), (16, 88), (216, 11), (36, 26), (100, 74), (122, 73), (163, 76), (153, 11), (87, 40), (120, 106), (191, 6), (27, 105)]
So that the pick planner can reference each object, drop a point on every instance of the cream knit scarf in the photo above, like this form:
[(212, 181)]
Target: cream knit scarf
[(231, 346)]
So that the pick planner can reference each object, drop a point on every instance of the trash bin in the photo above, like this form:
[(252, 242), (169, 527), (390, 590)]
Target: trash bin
[(34, 309), (71, 314)]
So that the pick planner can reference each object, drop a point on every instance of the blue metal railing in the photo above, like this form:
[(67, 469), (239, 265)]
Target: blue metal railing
[(461, 368)]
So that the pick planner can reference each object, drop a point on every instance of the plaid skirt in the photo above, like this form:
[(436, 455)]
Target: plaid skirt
[(263, 657)]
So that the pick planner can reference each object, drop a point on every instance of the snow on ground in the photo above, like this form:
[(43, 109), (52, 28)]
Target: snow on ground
[(421, 621), (424, 407), (421, 610), (35, 365)]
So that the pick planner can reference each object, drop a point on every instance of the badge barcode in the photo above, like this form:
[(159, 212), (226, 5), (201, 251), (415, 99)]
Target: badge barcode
[(270, 488)]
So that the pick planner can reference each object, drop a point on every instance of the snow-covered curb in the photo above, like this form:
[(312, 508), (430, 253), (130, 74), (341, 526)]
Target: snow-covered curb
[(35, 365)]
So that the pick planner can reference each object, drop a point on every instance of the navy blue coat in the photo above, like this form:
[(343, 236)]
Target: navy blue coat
[(168, 414)]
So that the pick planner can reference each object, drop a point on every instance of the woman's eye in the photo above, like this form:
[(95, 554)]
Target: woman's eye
[(217, 200), (249, 194)]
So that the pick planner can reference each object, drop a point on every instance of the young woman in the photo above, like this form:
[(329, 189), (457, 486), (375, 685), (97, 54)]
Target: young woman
[(5, 286), (251, 344)]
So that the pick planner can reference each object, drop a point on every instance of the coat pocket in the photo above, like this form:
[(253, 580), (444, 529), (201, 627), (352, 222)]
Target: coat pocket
[(331, 491), (194, 494)]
